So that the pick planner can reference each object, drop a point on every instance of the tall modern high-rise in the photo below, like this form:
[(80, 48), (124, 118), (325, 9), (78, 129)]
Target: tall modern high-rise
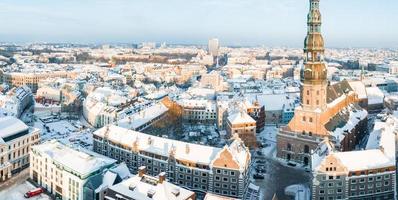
[(214, 47), (325, 110)]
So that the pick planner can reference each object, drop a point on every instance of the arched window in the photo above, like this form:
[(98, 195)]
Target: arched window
[(289, 147), (306, 149)]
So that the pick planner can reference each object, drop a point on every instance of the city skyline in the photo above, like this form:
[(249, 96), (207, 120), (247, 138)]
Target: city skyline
[(357, 23)]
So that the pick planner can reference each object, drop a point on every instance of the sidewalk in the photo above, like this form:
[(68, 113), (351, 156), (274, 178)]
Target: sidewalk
[(15, 180)]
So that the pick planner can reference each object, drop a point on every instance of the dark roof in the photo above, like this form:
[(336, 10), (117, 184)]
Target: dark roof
[(341, 118), (336, 90)]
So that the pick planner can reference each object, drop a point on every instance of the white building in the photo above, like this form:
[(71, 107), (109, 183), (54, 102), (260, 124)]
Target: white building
[(199, 110), (16, 101), (15, 141), (63, 171), (101, 106), (214, 47)]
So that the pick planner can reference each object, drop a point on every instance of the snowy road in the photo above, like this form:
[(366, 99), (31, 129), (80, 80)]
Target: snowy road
[(17, 192)]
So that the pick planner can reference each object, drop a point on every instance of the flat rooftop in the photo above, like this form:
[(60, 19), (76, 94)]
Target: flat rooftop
[(81, 161)]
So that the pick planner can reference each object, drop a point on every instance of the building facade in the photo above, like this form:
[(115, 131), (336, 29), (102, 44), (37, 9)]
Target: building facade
[(63, 171), (15, 141), (359, 174), (201, 168), (32, 79), (244, 126)]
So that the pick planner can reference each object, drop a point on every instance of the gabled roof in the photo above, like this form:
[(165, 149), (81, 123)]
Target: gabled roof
[(240, 118), (336, 90)]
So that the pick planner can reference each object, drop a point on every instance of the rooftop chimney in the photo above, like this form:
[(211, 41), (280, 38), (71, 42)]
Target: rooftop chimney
[(187, 149), (141, 171), (162, 177)]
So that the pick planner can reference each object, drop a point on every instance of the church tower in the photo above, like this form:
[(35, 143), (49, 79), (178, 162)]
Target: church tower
[(314, 77), (319, 116)]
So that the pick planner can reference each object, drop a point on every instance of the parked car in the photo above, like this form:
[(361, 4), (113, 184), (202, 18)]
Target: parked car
[(34, 192), (291, 164), (260, 161), (258, 176)]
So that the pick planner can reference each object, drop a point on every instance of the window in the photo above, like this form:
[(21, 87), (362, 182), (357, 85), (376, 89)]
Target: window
[(370, 179), (304, 119), (308, 92), (306, 149)]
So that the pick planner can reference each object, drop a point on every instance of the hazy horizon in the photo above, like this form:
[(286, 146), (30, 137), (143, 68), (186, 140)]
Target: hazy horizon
[(354, 23)]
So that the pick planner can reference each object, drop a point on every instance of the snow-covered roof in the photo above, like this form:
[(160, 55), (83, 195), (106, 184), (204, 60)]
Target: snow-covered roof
[(158, 145), (240, 118), (81, 161), (142, 117), (184, 151), (375, 95), (380, 151), (138, 187), (355, 116), (11, 126), (359, 89), (272, 102)]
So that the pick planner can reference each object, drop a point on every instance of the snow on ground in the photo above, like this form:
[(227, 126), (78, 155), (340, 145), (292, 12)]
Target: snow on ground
[(68, 132), (17, 192), (268, 139), (299, 192)]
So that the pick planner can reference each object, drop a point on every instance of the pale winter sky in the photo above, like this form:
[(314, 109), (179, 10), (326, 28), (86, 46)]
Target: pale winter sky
[(347, 23)]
